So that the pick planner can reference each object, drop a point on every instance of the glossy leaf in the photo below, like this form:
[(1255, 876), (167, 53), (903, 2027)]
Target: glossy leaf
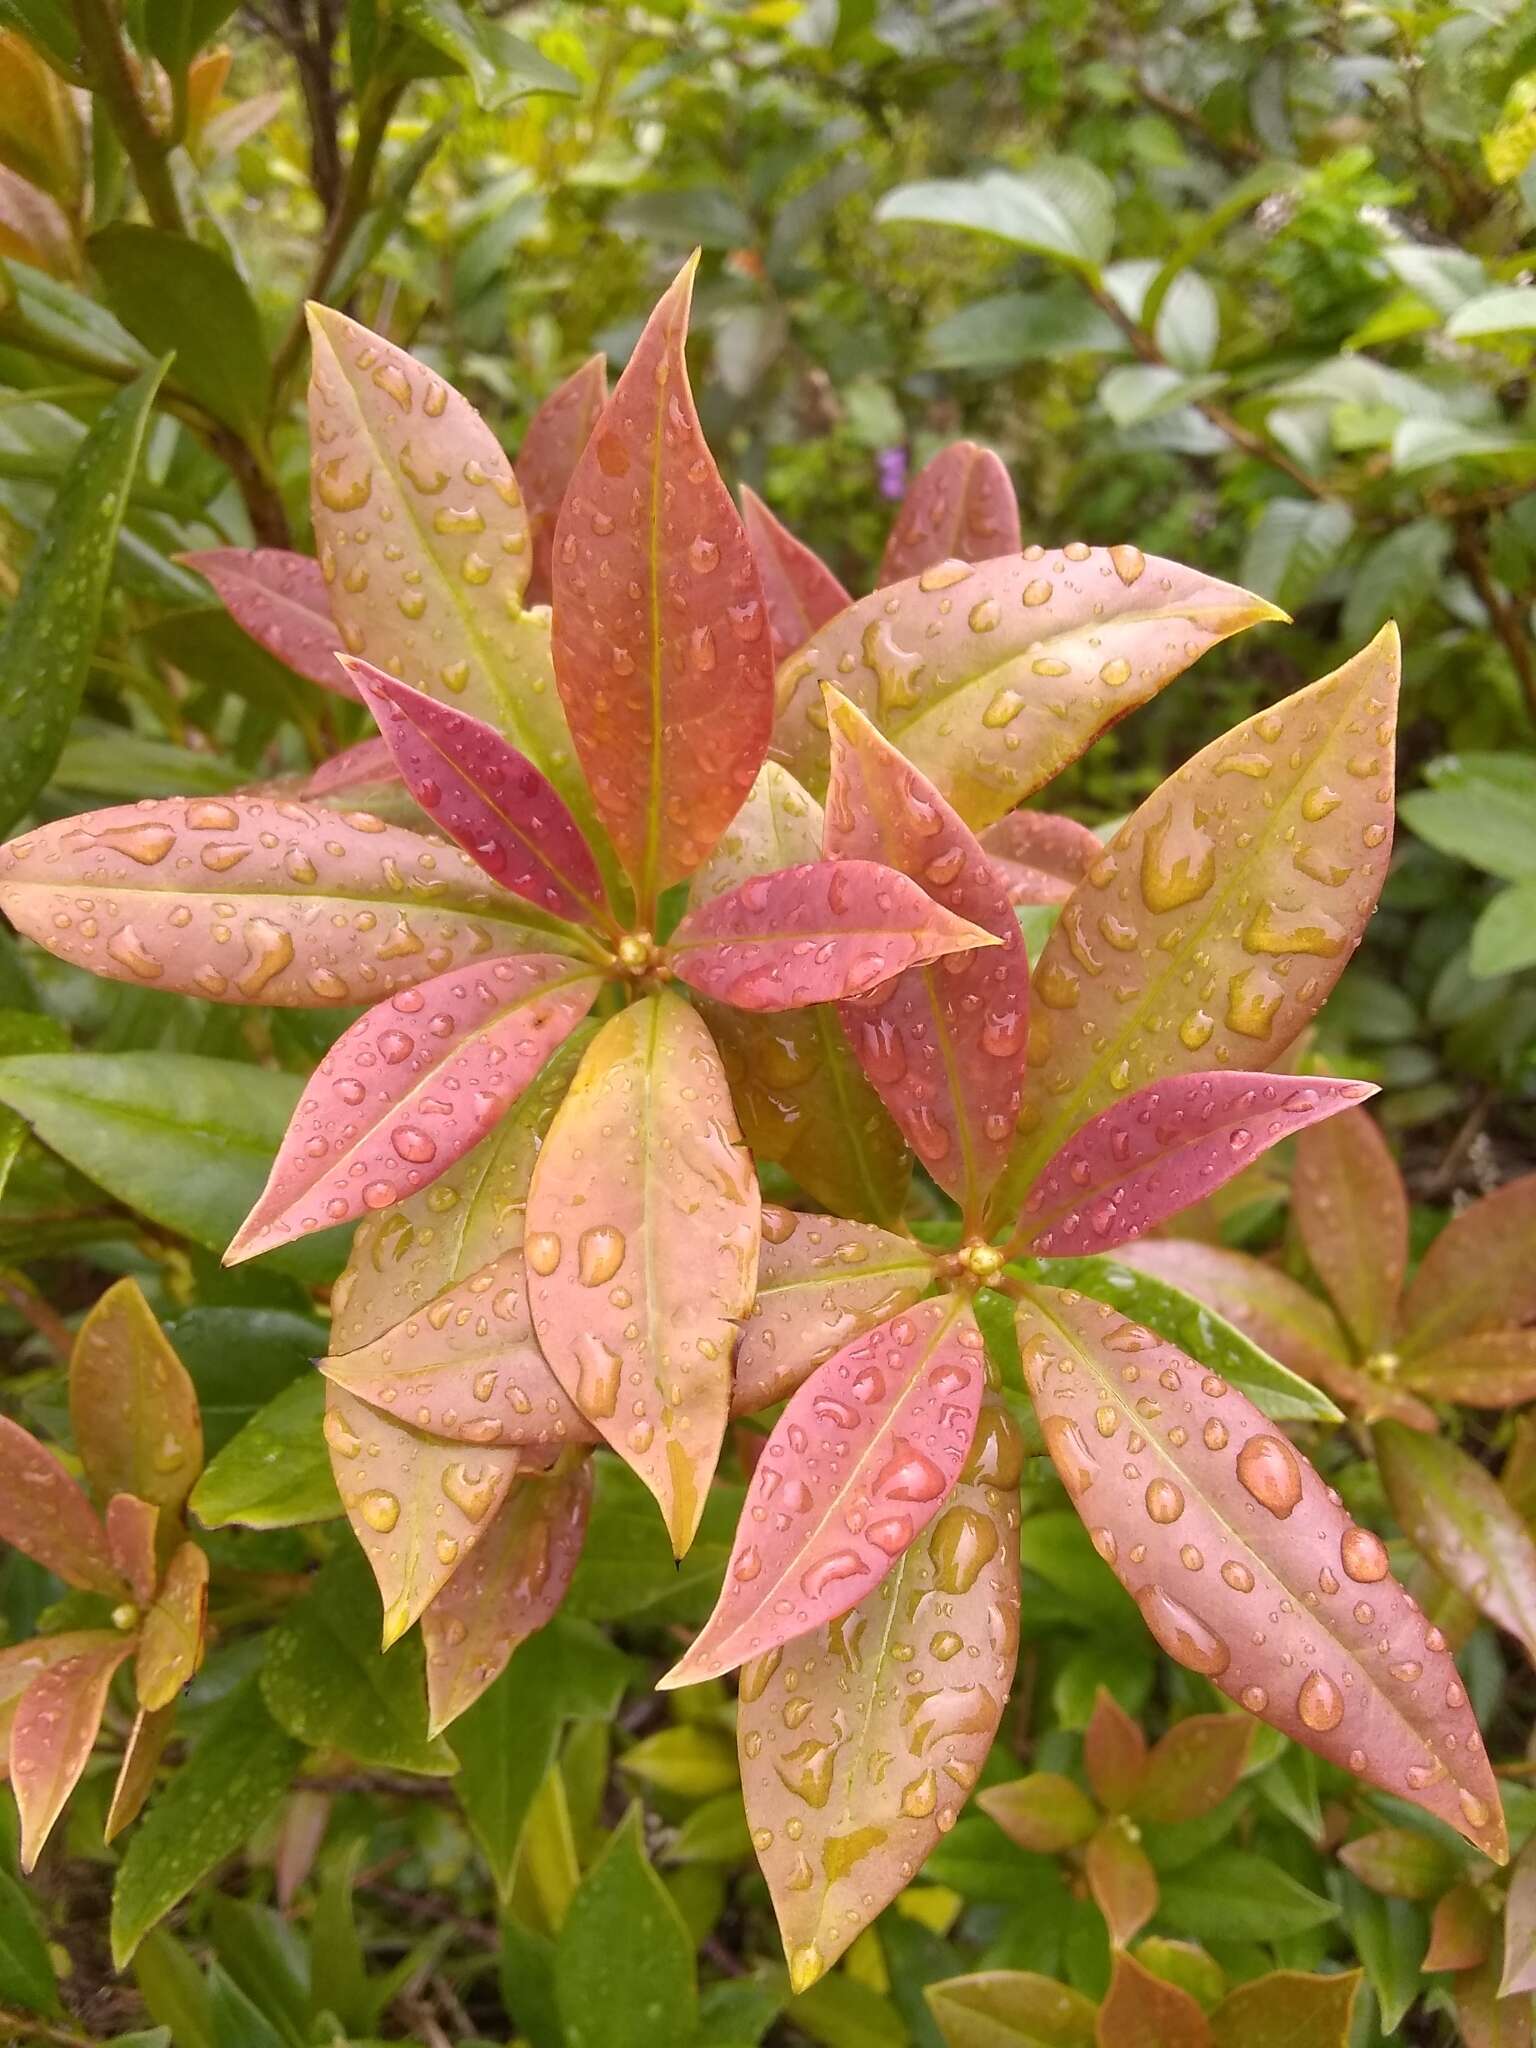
[(1493, 1369), (514, 1580), (1041, 857), (1222, 912), (411, 1087), (1121, 1880), (1161, 1150), (624, 1967), (136, 1773), (962, 508), (1351, 1210), (1010, 2009), (131, 1526), (857, 1466), (366, 766), (1114, 1753), (800, 591), (1193, 1768), (281, 600), (132, 1405), (1143, 2011), (1478, 1273), (1286, 2009), (642, 1248), (47, 1516), (670, 692), (274, 1473), (52, 1734), (559, 430), (257, 899), (848, 1793), (992, 679), (20, 1663), (1211, 1519), (183, 298), (944, 1044), (172, 1639), (507, 816), (1043, 1812)]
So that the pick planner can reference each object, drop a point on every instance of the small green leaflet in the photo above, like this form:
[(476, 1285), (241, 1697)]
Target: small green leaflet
[(624, 1971)]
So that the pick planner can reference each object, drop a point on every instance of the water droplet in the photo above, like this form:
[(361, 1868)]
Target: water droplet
[(1183, 1634), (1363, 1556), (599, 1255), (379, 1509), (1320, 1704), (1271, 1472), (1165, 1503)]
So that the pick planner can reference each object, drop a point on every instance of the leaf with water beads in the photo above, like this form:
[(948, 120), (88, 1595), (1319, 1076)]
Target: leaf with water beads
[(20, 1663), (1351, 1210), (281, 601), (53, 1733), (859, 1463), (259, 899), (136, 1772), (173, 1636), (132, 1526), (1041, 857), (410, 1087), (46, 1516), (643, 1228), (861, 1740), (1214, 924), (799, 589), (551, 447), (661, 643), (993, 678), (363, 767), (132, 1404), (960, 507), (1478, 1274), (1246, 1567), (815, 933), (1157, 1152)]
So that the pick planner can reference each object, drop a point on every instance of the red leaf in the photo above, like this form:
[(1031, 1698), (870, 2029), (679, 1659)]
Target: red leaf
[(861, 1460), (507, 817), (800, 590), (944, 1044), (365, 766), (1222, 1533), (1351, 1209), (1196, 1764), (47, 1516), (961, 507), (20, 1663), (52, 1736), (1044, 1813), (1478, 1273), (813, 934), (1121, 1878), (131, 1525), (1161, 1150), (136, 1773), (559, 430), (1114, 1752), (669, 692), (1143, 2011), (282, 602), (1041, 857), (410, 1087)]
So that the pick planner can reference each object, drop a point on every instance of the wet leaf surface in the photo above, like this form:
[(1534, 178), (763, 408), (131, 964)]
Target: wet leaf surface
[(47, 1516), (282, 601), (1351, 1210), (799, 589), (132, 1405), (53, 1732), (961, 507), (556, 435)]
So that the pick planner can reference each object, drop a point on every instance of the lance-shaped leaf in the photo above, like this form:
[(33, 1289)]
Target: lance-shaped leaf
[(1114, 1753), (1044, 1812), (1520, 1927), (410, 1087), (1193, 1768), (1040, 856), (643, 1232), (20, 1663), (1494, 1369), (514, 1580), (661, 642), (47, 1516), (821, 1282), (961, 507), (52, 1734), (1351, 1210), (172, 1640), (858, 1465), (945, 1042), (132, 1526), (799, 589), (136, 1773), (1163, 1149), (559, 430), (365, 766), (1483, 2018), (1457, 1516), (991, 679), (417, 1506), (258, 900), (1478, 1273), (508, 817), (1223, 1534), (1121, 1879), (281, 600), (800, 1093), (132, 1404), (814, 934), (860, 1741), (1010, 2009), (1223, 911)]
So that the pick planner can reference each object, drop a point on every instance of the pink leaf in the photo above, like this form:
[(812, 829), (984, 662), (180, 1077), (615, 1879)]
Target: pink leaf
[(552, 445), (281, 601), (1114, 1753), (961, 507), (800, 590), (20, 1663), (813, 934), (364, 766), (506, 815), (52, 1735), (47, 1516), (1041, 857), (661, 645), (1163, 1149), (945, 1043), (1494, 1369), (1351, 1209), (861, 1460), (131, 1526), (136, 1773), (1478, 1273), (1223, 1533), (410, 1087)]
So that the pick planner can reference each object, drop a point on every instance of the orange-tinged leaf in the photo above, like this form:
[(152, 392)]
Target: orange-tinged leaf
[(851, 1772), (281, 600), (514, 1580), (1222, 912), (1461, 1930), (1114, 1752), (642, 1246), (40, 128), (256, 899), (173, 1637), (1491, 1369), (1010, 2009), (1041, 857), (20, 1663), (1287, 2009), (551, 448), (1222, 1532), (52, 1733), (1401, 1863), (35, 229), (992, 679), (1043, 1812), (1193, 1768), (46, 1515), (370, 765), (862, 1459), (961, 507), (669, 691), (1121, 1879), (1478, 1274), (132, 1405), (799, 589), (136, 1773), (1520, 1927), (1143, 2011), (132, 1526), (1485, 2019), (1351, 1209)]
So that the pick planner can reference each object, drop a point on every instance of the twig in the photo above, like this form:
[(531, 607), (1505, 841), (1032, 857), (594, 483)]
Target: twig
[(30, 2026), (29, 1304), (110, 74), (1234, 150), (1445, 1176), (1503, 615)]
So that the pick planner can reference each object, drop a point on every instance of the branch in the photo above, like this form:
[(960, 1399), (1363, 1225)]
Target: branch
[(110, 75)]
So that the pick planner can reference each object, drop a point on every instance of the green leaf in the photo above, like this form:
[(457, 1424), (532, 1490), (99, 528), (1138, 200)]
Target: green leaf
[(1423, 443), (1388, 1936), (1397, 578), (175, 30), (702, 215), (1011, 328), (26, 1974), (50, 630), (1480, 808), (627, 1569), (1060, 207), (1504, 937), (233, 1780), (176, 296), (1296, 542), (1148, 391), (1233, 1895), (275, 1473), (499, 65), (624, 1970), (240, 1359), (1509, 309)]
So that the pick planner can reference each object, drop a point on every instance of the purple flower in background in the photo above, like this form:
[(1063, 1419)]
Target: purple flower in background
[(891, 473)]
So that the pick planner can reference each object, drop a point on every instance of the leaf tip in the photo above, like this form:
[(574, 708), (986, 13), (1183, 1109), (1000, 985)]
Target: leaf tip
[(397, 1619), (807, 1966)]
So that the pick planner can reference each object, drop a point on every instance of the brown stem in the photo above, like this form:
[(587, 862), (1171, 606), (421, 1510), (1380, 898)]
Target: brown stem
[(263, 502), (312, 48), (29, 2026), (30, 1305), (109, 73), (1236, 151), (1503, 613)]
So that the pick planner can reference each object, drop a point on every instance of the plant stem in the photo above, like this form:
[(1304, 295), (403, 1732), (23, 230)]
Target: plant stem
[(110, 75), (1503, 613)]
